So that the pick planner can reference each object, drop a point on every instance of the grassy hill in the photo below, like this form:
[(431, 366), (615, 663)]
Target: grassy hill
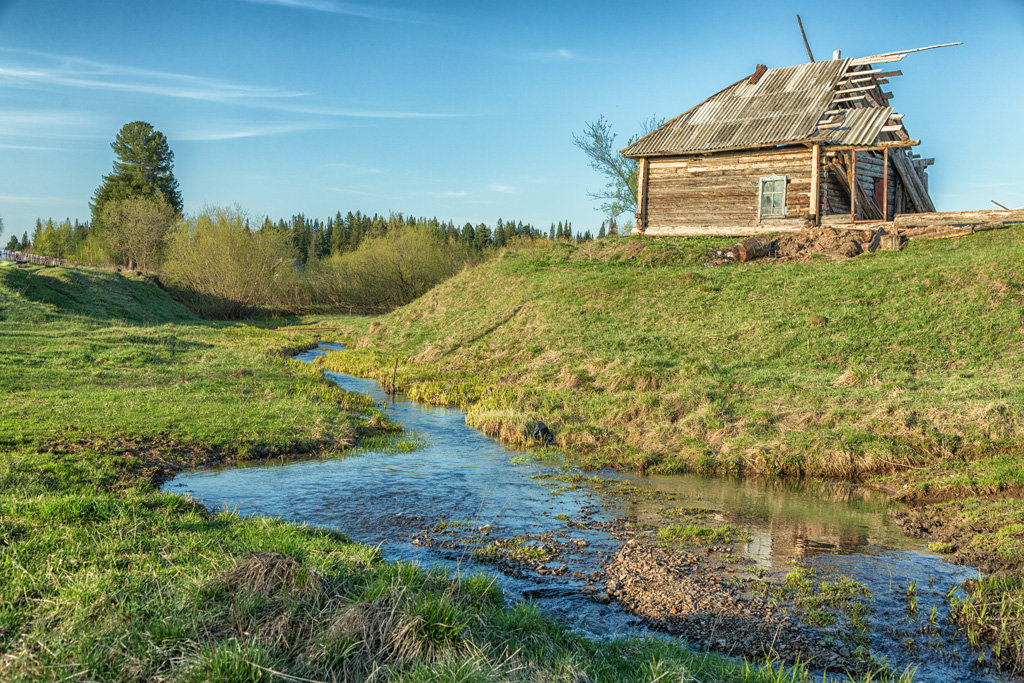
[(84, 294), (640, 356), (108, 386), (898, 367)]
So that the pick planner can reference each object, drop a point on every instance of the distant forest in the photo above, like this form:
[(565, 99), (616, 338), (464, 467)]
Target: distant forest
[(313, 239)]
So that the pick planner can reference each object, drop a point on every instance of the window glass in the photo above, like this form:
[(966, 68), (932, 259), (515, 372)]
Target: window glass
[(773, 195)]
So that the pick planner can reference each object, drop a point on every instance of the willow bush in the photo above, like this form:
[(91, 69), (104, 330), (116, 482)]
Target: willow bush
[(386, 272), (228, 270), (225, 269)]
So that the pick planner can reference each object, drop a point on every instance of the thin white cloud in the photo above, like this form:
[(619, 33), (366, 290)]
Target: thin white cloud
[(13, 199), (345, 112), (351, 167), (37, 148), (448, 194), (348, 9), (355, 191), (59, 72), (62, 71), (37, 123), (241, 132), (558, 53), (504, 189)]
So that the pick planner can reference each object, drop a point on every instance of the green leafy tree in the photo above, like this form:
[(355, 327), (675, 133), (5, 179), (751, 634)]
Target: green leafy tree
[(136, 230), (597, 141), (144, 167)]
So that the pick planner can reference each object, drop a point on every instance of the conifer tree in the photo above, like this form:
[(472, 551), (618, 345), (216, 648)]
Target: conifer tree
[(144, 167)]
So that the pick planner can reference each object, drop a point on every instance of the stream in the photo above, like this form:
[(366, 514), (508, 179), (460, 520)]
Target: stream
[(463, 492)]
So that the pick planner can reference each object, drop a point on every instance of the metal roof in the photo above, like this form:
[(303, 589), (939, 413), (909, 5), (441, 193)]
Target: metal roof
[(785, 105), (860, 126)]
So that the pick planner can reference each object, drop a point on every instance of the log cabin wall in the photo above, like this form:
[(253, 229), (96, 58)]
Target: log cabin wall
[(718, 193)]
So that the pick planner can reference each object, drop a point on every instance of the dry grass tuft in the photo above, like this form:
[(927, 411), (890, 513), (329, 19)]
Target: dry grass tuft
[(269, 574)]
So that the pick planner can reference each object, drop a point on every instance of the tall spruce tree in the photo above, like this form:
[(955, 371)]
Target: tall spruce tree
[(144, 167)]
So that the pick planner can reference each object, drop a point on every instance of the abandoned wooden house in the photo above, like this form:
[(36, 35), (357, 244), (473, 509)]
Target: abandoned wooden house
[(783, 149)]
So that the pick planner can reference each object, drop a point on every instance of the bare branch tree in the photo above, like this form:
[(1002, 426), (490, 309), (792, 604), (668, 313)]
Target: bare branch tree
[(597, 141)]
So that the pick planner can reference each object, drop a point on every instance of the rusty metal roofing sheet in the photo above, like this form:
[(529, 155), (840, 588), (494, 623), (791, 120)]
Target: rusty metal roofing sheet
[(785, 105), (860, 126)]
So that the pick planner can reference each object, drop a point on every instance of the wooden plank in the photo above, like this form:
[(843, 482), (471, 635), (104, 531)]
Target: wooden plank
[(983, 217), (815, 177), (885, 185), (878, 146), (641, 194), (913, 183), (851, 183), (896, 56)]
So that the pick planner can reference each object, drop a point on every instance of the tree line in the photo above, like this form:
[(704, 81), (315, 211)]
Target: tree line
[(226, 263), (311, 239)]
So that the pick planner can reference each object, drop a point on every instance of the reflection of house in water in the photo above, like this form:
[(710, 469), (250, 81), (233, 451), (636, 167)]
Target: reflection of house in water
[(786, 521), (789, 540)]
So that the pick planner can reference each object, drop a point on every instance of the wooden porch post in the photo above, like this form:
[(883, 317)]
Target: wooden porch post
[(641, 195), (851, 171), (815, 178), (885, 184)]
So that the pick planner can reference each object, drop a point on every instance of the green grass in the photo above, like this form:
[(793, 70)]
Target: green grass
[(698, 535), (824, 603), (902, 367), (640, 357), (109, 385)]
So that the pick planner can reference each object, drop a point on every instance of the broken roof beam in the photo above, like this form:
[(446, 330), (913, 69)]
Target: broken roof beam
[(874, 147), (896, 56)]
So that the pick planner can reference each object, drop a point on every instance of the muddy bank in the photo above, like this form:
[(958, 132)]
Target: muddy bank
[(158, 460), (715, 608), (830, 243), (981, 533)]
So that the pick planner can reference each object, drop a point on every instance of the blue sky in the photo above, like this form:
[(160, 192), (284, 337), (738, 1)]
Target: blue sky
[(461, 110)]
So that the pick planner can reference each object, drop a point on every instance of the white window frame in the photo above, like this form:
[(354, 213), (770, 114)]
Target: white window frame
[(760, 194)]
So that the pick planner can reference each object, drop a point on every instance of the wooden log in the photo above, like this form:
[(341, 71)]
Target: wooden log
[(991, 217), (752, 248)]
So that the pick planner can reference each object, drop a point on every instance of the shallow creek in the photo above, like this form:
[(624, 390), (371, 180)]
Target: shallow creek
[(463, 492)]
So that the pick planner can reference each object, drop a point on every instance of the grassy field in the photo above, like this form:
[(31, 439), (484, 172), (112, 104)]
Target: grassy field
[(108, 387), (897, 368), (638, 356)]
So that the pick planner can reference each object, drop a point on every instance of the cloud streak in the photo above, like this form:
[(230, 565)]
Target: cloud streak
[(60, 72), (239, 133), (350, 9), (448, 194), (11, 199), (35, 123)]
